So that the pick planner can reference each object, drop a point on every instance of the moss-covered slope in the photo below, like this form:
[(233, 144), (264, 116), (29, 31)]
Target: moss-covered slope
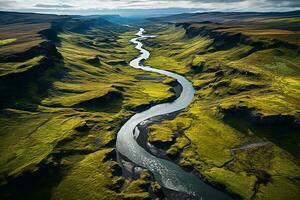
[(242, 128), (60, 112)]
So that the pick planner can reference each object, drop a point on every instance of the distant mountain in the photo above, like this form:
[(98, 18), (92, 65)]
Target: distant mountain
[(115, 19), (82, 25), (32, 18), (225, 17)]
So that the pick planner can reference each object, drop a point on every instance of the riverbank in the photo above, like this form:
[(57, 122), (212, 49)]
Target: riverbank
[(166, 173), (237, 104), (69, 103)]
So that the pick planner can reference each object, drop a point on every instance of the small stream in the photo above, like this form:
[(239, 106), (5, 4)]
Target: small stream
[(167, 173)]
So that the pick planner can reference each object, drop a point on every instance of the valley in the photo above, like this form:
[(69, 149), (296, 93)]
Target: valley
[(67, 88)]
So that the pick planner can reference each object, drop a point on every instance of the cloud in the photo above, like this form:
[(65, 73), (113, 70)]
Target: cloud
[(40, 5), (7, 4), (99, 6), (284, 3)]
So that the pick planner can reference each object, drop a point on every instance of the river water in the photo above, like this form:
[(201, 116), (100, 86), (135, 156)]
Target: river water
[(166, 173)]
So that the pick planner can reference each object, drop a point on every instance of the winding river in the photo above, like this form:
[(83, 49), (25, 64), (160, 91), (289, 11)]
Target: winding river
[(167, 173)]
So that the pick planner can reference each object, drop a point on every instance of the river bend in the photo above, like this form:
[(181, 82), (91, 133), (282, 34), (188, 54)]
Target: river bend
[(167, 173)]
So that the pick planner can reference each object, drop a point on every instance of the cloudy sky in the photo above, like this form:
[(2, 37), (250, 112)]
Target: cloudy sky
[(139, 6)]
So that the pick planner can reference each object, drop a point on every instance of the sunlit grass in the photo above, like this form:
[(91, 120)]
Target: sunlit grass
[(7, 41), (265, 81)]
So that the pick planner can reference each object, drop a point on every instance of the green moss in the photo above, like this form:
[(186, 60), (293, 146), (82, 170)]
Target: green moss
[(92, 178), (180, 143), (167, 63), (283, 165), (7, 41), (165, 132), (147, 92), (134, 190), (76, 107), (12, 67), (264, 81), (202, 82), (66, 127), (238, 183), (85, 92), (27, 147), (279, 188), (211, 138), (272, 104), (223, 56), (160, 133), (278, 61)]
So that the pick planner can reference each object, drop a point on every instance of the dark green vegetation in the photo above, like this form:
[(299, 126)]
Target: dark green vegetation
[(66, 88), (242, 130)]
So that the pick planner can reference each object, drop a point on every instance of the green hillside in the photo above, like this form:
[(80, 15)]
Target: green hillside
[(242, 130), (66, 88)]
